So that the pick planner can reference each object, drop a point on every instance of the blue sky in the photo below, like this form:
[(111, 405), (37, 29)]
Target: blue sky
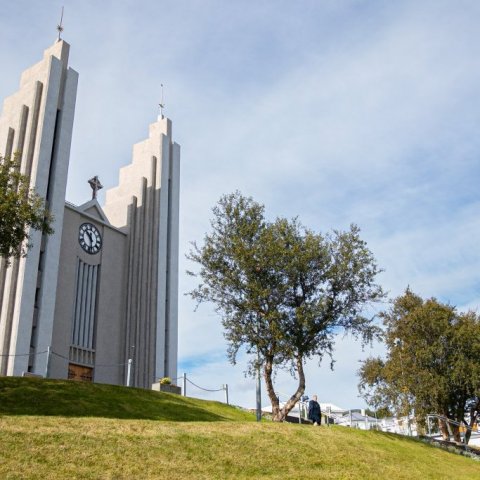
[(335, 111)]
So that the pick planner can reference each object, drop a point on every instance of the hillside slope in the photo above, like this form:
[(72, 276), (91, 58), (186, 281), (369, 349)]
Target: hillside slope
[(33, 396), (138, 446)]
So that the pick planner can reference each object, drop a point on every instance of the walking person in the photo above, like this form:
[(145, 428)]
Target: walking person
[(314, 412)]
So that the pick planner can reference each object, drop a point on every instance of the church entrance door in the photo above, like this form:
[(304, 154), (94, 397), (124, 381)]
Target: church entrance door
[(80, 373)]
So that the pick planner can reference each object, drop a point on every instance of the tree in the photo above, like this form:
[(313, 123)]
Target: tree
[(21, 209), (283, 291), (380, 413), (432, 363)]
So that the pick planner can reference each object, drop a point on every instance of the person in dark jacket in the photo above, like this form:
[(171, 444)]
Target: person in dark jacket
[(314, 412)]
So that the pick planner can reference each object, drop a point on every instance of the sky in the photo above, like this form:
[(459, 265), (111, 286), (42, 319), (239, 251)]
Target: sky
[(335, 111)]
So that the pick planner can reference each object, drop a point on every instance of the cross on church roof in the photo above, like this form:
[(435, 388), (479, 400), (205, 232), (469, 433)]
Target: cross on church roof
[(60, 27), (162, 103), (96, 186)]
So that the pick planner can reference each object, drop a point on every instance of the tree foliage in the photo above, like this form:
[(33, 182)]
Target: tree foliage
[(283, 291), (432, 363), (21, 209)]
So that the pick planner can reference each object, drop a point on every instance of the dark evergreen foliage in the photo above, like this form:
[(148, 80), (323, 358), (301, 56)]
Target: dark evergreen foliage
[(432, 363)]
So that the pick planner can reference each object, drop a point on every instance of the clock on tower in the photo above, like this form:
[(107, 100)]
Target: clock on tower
[(89, 238)]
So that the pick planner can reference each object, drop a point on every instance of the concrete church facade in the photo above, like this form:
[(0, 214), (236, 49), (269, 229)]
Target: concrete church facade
[(103, 288)]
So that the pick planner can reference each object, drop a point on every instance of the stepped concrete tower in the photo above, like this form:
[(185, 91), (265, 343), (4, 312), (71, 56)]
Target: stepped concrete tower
[(37, 121), (146, 206), (96, 301)]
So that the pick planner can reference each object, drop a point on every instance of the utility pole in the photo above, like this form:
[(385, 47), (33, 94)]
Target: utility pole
[(259, 390), (399, 344)]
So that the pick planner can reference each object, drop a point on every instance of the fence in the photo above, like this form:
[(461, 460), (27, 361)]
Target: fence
[(433, 430), (223, 388), (129, 364)]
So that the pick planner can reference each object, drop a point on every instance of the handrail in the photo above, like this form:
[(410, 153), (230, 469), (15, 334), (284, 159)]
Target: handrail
[(446, 419), (449, 422)]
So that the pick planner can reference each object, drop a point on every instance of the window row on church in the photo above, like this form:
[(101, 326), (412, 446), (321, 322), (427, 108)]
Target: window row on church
[(83, 332)]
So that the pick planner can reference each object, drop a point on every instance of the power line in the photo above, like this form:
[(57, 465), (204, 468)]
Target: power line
[(22, 354), (61, 356)]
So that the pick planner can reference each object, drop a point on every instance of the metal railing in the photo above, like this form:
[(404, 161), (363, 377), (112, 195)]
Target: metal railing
[(462, 426), (223, 388)]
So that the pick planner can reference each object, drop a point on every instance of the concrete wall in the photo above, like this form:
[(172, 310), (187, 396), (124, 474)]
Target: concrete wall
[(145, 206), (36, 121), (135, 275), (107, 355)]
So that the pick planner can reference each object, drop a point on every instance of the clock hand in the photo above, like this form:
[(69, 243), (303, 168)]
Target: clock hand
[(90, 236)]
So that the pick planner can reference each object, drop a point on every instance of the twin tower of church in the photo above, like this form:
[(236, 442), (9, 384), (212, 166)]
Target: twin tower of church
[(97, 300)]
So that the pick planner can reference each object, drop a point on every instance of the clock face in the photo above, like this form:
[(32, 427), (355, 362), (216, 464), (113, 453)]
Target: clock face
[(89, 238)]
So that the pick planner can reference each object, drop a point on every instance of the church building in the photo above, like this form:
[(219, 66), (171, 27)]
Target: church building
[(96, 300)]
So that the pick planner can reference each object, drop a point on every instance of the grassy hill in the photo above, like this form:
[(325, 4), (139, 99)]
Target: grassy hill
[(33, 396), (105, 432)]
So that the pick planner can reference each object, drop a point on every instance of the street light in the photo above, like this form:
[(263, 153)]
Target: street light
[(259, 390)]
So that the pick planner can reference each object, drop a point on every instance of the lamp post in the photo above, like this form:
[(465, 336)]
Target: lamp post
[(259, 390)]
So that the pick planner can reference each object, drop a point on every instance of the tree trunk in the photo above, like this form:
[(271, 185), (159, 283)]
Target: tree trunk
[(456, 434), (268, 371), (473, 416), (279, 414), (444, 430), (468, 434), (450, 430)]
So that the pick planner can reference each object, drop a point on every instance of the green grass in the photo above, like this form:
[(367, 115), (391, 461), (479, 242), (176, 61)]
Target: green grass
[(221, 444), (33, 396)]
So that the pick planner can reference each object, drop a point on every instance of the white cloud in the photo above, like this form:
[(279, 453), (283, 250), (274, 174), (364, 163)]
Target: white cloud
[(338, 112)]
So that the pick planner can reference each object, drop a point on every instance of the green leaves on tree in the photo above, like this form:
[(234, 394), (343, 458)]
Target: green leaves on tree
[(283, 291), (21, 210), (432, 363)]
